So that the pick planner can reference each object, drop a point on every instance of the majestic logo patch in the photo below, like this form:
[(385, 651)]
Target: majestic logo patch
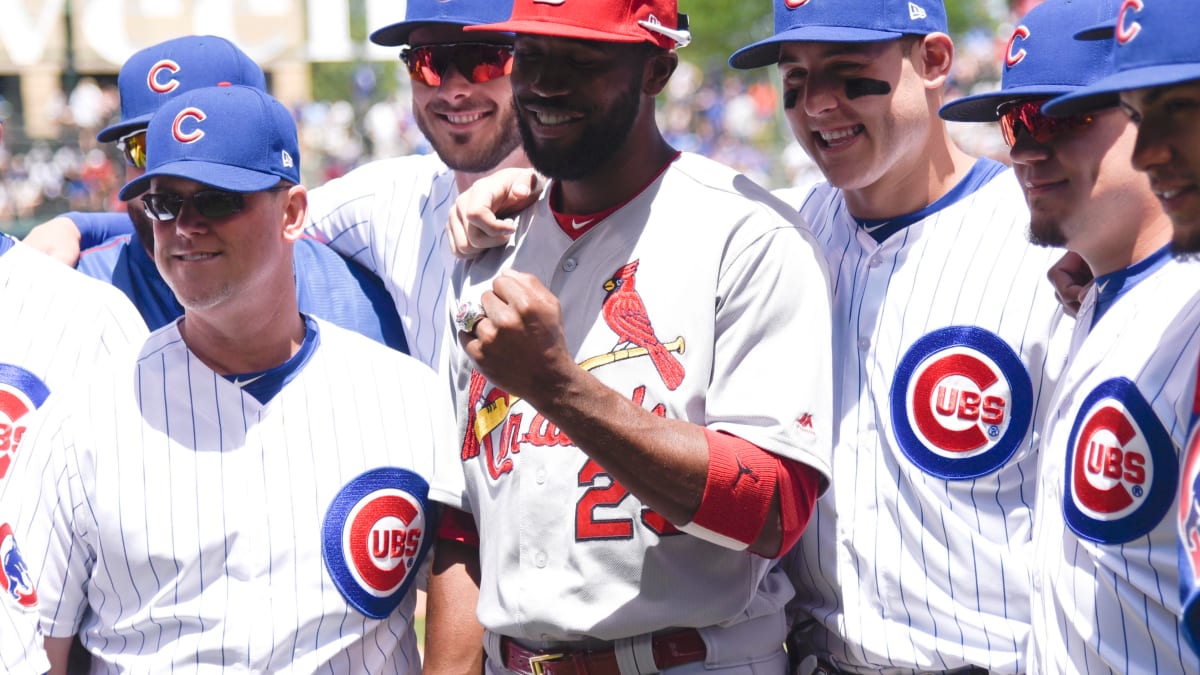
[(154, 78), (1127, 30), (1011, 59), (961, 403), (15, 580), (1189, 506), (20, 392), (1121, 470), (377, 532)]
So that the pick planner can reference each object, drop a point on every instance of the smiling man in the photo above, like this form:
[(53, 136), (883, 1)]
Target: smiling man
[(244, 449), (946, 360), (1104, 528), (628, 460)]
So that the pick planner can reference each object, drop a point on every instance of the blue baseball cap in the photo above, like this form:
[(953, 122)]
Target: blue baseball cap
[(1155, 45), (157, 74), (1042, 60), (233, 138), (842, 21), (453, 12)]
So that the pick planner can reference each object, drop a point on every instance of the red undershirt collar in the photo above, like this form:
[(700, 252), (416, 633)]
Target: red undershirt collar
[(577, 225)]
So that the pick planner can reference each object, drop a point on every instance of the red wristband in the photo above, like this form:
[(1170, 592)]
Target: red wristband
[(458, 526)]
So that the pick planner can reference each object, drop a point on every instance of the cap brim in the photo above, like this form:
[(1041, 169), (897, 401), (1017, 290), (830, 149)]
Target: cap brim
[(220, 176), (552, 29), (766, 52), (397, 34), (982, 107), (1093, 97), (123, 128)]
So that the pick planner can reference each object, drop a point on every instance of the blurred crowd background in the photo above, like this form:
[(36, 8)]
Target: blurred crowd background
[(360, 111)]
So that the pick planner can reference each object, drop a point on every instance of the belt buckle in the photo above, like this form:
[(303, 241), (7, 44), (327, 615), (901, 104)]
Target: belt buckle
[(535, 662)]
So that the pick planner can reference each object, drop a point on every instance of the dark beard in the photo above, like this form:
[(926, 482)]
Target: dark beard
[(601, 141), (459, 157), (1049, 236)]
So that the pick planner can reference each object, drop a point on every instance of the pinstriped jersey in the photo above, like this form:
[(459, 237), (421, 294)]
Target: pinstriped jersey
[(176, 522), (735, 293), (390, 217), (1106, 579), (915, 559), (59, 326)]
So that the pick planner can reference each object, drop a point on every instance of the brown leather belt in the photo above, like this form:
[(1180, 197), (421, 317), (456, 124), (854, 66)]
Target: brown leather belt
[(670, 650)]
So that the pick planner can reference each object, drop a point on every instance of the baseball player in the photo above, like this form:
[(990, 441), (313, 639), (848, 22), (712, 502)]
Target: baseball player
[(1105, 572), (1158, 79), (915, 560), (248, 491), (328, 286), (627, 459)]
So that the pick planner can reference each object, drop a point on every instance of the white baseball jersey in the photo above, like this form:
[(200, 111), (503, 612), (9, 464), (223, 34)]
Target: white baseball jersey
[(736, 312), (390, 216), (59, 326), (1106, 576), (174, 521), (915, 560)]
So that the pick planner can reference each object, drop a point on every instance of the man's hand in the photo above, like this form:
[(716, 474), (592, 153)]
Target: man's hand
[(58, 238), (519, 344), (1071, 278), (475, 225)]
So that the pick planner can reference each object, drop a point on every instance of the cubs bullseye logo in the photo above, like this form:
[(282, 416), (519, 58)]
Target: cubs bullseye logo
[(15, 580), (20, 392), (961, 403), (1189, 506), (1121, 469), (376, 534)]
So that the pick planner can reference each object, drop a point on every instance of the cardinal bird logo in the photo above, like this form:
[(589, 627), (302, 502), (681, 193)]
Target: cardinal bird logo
[(626, 316)]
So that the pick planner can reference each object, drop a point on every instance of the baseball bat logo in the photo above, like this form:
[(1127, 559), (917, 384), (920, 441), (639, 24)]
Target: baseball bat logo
[(1011, 59), (1121, 469), (20, 392), (154, 78), (1127, 30), (15, 580), (961, 403), (196, 116), (376, 534)]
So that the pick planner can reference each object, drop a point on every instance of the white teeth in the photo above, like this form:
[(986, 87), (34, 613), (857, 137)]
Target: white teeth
[(192, 257), (841, 134), (1170, 194), (551, 119), (463, 119)]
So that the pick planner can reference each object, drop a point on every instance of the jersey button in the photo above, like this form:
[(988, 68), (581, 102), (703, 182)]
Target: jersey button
[(875, 262), (570, 264), (540, 476), (540, 559), (864, 343)]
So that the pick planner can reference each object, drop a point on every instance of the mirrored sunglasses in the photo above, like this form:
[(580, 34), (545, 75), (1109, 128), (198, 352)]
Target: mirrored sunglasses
[(1027, 115), (479, 62), (133, 146), (212, 204)]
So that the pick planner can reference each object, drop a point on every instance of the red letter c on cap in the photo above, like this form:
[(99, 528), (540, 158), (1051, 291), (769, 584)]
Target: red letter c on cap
[(152, 79), (1125, 33), (190, 136), (1010, 58)]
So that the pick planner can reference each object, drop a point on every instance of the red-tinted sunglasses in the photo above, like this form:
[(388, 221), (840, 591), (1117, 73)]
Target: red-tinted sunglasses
[(477, 61), (1042, 128)]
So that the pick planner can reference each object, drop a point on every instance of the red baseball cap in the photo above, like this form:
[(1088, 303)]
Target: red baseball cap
[(655, 21)]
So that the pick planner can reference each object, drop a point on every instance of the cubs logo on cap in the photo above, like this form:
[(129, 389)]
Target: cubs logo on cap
[(20, 392), (15, 580), (1041, 62), (842, 21), (1155, 45), (376, 535), (655, 21), (158, 73), (230, 137), (1121, 469), (961, 403)]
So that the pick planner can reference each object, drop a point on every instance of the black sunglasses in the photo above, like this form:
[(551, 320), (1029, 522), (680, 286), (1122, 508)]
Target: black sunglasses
[(215, 204)]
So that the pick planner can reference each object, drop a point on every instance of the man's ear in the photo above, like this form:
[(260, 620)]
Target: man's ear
[(296, 213), (933, 57), (659, 67)]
